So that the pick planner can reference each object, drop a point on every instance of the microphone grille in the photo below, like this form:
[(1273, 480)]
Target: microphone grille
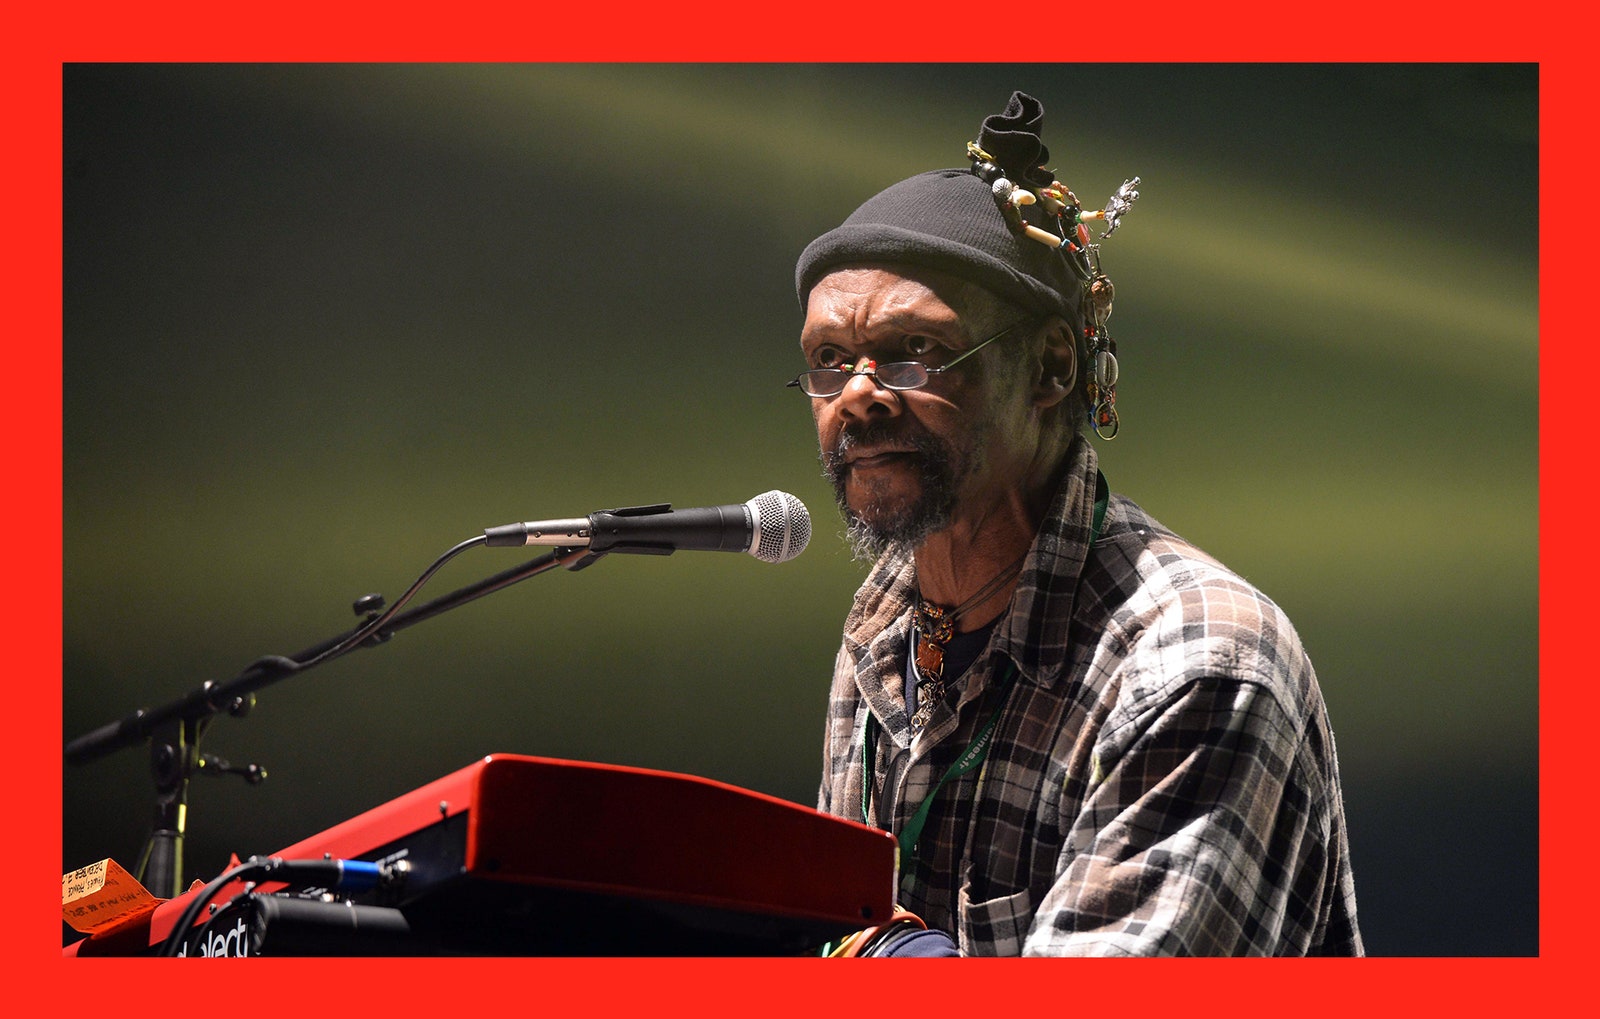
[(783, 527)]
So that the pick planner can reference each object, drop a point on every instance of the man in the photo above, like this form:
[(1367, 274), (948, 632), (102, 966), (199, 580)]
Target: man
[(1089, 737)]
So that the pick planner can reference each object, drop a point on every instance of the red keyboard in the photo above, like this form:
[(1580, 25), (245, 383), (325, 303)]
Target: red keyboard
[(529, 855)]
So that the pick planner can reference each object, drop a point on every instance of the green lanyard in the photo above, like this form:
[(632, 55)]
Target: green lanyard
[(975, 754), (978, 750)]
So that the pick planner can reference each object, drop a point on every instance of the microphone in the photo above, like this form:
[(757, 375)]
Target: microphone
[(774, 527)]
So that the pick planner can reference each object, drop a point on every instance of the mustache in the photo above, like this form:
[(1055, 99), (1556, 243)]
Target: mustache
[(874, 527), (905, 432)]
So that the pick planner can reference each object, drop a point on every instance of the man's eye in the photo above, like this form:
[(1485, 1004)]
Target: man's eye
[(827, 357), (917, 346)]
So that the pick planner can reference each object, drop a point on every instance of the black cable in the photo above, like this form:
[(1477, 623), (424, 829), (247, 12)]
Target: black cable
[(180, 930), (366, 631), (203, 934), (354, 875)]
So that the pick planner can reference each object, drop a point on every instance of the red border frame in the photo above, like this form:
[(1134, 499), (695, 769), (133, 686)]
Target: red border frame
[(41, 41)]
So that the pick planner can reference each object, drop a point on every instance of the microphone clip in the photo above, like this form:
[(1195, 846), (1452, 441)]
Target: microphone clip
[(598, 532)]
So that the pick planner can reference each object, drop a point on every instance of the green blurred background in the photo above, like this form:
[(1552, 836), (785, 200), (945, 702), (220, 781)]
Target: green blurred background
[(324, 322)]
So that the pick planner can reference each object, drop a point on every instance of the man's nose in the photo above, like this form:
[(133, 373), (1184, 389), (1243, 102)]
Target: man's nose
[(863, 397)]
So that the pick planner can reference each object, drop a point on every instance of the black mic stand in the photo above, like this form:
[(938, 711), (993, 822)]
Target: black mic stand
[(174, 729)]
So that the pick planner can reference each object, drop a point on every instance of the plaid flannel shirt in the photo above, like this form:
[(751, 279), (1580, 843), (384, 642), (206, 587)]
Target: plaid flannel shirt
[(1162, 780)]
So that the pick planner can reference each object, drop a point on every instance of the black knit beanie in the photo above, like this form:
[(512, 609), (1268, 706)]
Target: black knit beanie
[(949, 220)]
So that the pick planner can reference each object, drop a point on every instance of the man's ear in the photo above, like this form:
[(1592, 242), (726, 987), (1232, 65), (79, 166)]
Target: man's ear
[(1058, 364)]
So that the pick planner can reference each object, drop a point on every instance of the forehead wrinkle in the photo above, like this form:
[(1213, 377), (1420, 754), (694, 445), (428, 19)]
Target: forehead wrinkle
[(871, 313)]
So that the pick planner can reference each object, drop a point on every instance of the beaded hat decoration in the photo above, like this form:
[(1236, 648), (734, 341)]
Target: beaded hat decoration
[(1010, 157)]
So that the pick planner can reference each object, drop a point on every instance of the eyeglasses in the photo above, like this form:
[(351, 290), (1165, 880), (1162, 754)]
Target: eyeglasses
[(897, 375)]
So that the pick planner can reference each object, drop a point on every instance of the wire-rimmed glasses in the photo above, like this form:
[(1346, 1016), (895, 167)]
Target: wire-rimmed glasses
[(821, 383)]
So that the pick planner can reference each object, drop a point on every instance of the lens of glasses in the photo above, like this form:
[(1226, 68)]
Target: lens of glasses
[(903, 375), (823, 381)]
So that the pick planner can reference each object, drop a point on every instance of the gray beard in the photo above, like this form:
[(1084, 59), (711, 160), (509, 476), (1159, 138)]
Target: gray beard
[(941, 473)]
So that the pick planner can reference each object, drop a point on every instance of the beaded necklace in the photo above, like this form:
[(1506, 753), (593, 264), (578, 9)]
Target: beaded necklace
[(932, 627)]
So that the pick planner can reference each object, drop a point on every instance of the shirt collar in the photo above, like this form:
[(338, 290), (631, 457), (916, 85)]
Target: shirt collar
[(1035, 631)]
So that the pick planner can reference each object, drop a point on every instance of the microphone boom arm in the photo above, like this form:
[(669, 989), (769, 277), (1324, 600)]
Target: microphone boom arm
[(212, 698)]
